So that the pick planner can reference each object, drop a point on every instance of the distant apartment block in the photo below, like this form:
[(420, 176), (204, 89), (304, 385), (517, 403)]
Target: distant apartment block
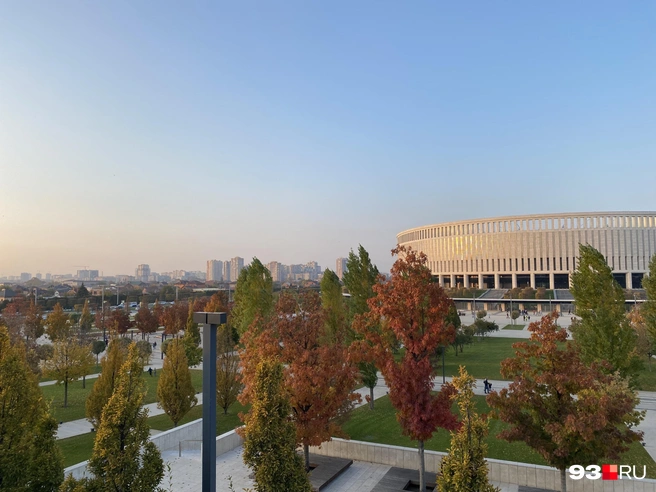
[(236, 266), (48, 277), (227, 274), (87, 274), (214, 271), (142, 273), (24, 277), (39, 276), (276, 271), (340, 267)]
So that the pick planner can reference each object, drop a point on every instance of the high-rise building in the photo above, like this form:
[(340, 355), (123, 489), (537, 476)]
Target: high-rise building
[(87, 274), (142, 272), (340, 267), (236, 266), (48, 277), (276, 271), (38, 276), (227, 277), (214, 271), (24, 277)]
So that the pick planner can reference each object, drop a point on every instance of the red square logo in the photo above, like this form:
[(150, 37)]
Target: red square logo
[(609, 472)]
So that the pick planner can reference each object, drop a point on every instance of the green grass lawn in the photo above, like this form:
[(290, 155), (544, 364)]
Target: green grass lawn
[(94, 370), (513, 327), (77, 395), (380, 426), (79, 448)]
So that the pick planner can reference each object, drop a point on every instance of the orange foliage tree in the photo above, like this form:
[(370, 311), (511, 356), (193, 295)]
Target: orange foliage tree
[(411, 309), (319, 375)]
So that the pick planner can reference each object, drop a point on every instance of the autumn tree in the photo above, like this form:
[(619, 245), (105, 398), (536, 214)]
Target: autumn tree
[(269, 434), (566, 409), (319, 376), (145, 321), (13, 317), (119, 321), (175, 393), (68, 363), (191, 340), (228, 382), (359, 278), (464, 468), (58, 324), (414, 311), (218, 303), (649, 312), (174, 318), (253, 296), (86, 319), (104, 386), (102, 319), (645, 344), (124, 458), (604, 332), (34, 324), (29, 456)]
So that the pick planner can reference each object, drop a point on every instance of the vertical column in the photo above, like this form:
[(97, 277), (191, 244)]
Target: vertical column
[(497, 281), (552, 283), (629, 281), (480, 281), (440, 279), (514, 280), (532, 280), (466, 281), (453, 281)]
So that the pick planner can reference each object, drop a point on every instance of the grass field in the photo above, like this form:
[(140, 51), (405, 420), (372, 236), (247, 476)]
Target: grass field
[(77, 449), (380, 426), (77, 395), (513, 327)]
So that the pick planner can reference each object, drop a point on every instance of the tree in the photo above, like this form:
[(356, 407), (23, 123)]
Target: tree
[(191, 340), (604, 332), (97, 348), (481, 314), (175, 393), (269, 435), (58, 324), (102, 318), (228, 383), (104, 387), (253, 296), (68, 363), (174, 318), (566, 409), (359, 278), (124, 459), (34, 326), (86, 320), (319, 376), (332, 302), (119, 321), (218, 303), (82, 291), (415, 310), (464, 468), (145, 351), (649, 284), (145, 321), (86, 361), (29, 456), (514, 314)]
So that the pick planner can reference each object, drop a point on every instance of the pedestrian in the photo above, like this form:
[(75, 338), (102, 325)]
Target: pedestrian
[(150, 371), (155, 371), (485, 384)]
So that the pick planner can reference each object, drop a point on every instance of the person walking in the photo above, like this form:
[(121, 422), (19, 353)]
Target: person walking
[(486, 385)]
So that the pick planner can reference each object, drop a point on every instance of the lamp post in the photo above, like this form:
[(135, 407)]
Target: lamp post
[(210, 322), (443, 374)]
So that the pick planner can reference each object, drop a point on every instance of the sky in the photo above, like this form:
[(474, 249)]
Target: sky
[(171, 133)]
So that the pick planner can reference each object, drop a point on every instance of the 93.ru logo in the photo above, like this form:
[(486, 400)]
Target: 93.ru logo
[(607, 472)]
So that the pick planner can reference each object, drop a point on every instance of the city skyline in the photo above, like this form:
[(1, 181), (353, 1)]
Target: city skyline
[(171, 133)]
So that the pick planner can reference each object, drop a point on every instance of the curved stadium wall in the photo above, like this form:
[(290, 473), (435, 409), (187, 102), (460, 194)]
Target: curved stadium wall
[(534, 250)]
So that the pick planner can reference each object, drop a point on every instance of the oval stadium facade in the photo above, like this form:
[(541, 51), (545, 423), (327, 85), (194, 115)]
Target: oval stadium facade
[(534, 250)]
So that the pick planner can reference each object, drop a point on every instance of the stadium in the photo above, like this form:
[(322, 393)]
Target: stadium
[(534, 250)]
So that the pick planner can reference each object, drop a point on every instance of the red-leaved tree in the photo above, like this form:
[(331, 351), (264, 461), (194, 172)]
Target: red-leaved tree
[(319, 376), (411, 309), (568, 411)]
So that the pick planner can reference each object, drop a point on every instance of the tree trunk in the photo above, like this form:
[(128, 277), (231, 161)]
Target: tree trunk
[(306, 453), (84, 382), (563, 480), (371, 398), (65, 393), (422, 468)]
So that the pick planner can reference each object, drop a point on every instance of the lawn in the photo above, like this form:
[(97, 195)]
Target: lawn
[(513, 327), (79, 448), (77, 395), (380, 426), (94, 370)]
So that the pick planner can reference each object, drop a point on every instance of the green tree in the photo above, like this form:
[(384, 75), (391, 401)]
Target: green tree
[(191, 340), (68, 363), (359, 278), (104, 386), (566, 409), (86, 320), (333, 305), (228, 383), (97, 348), (464, 468), (253, 296), (270, 436), (58, 324), (649, 311), (604, 332), (175, 393), (124, 459), (29, 457), (82, 291)]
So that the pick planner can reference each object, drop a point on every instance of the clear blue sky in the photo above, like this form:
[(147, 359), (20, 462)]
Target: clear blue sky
[(171, 133)]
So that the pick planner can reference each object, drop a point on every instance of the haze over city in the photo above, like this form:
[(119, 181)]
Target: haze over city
[(172, 133)]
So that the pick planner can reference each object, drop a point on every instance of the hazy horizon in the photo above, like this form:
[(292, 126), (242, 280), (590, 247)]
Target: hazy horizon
[(171, 134)]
